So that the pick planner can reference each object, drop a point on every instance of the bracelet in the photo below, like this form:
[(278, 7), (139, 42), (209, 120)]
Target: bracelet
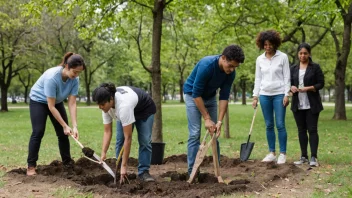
[(219, 122)]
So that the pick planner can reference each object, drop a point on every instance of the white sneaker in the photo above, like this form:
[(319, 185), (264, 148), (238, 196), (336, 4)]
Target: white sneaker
[(269, 158), (281, 159)]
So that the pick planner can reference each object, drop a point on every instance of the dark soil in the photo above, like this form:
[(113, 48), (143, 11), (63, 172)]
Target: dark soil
[(88, 152), (171, 177)]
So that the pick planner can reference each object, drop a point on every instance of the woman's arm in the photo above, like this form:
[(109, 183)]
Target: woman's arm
[(57, 115), (106, 140), (72, 107), (127, 131)]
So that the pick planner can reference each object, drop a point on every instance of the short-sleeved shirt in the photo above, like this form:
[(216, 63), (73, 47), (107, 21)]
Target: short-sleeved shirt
[(131, 104), (50, 84), (207, 77)]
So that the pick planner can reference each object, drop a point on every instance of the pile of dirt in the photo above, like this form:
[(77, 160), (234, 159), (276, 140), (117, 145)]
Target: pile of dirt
[(171, 177)]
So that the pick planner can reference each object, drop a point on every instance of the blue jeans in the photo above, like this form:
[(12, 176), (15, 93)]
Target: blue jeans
[(194, 118), (144, 130), (274, 105)]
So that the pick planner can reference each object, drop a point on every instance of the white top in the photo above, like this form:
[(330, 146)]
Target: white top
[(125, 102), (272, 76), (302, 96)]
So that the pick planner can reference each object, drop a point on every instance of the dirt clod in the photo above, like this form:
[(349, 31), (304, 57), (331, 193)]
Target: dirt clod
[(88, 152)]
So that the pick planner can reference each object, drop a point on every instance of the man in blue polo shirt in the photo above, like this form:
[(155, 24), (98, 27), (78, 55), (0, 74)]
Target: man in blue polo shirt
[(210, 74)]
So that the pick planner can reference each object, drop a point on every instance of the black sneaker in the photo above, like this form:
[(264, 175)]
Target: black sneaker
[(145, 176), (313, 162), (301, 161)]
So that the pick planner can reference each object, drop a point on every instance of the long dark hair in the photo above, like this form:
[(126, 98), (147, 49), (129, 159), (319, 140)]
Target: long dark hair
[(72, 60), (103, 93), (308, 48)]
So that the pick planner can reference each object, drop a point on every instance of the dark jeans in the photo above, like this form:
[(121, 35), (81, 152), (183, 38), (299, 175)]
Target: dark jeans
[(305, 120), (39, 112)]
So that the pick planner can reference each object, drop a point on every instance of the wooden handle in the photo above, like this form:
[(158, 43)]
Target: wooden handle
[(255, 112), (77, 142)]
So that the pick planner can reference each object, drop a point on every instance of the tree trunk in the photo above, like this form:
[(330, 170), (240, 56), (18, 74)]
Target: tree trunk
[(227, 124), (26, 94), (349, 93), (341, 63), (234, 88), (164, 93), (181, 89), (159, 5), (4, 90), (243, 87)]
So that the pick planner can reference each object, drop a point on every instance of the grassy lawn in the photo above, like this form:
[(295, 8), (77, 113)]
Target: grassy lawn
[(334, 151)]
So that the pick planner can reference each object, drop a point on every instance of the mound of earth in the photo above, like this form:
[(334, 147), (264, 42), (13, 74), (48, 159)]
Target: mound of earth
[(171, 177)]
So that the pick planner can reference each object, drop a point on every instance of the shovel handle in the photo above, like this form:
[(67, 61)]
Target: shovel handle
[(77, 142), (255, 113)]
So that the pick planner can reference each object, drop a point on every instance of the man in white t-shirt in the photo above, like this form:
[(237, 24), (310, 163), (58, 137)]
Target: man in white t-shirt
[(130, 106)]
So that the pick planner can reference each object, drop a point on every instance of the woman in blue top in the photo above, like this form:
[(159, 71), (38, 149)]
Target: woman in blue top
[(46, 99)]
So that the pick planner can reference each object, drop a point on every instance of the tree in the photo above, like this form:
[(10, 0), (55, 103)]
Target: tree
[(342, 56), (14, 43)]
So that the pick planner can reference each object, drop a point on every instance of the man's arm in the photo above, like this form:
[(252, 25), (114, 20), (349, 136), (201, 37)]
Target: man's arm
[(209, 124), (222, 111)]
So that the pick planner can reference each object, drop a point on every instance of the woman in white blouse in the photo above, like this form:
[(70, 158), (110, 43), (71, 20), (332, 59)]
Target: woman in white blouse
[(272, 86)]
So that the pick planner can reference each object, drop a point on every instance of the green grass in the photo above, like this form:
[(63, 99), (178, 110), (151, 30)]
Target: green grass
[(69, 192), (334, 148)]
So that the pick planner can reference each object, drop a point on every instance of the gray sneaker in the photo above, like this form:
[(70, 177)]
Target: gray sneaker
[(145, 176), (313, 162), (301, 161)]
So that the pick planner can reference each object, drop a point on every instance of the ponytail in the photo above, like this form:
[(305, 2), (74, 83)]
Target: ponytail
[(72, 60)]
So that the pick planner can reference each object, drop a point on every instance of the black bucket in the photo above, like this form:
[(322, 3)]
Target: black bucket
[(157, 153)]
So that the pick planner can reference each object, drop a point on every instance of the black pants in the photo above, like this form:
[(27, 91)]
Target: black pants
[(39, 113), (305, 120)]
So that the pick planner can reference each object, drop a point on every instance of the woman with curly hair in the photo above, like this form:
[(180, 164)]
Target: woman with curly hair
[(272, 86)]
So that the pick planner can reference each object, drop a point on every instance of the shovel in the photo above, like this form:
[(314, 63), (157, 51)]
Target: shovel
[(203, 147), (246, 148), (117, 163), (105, 166)]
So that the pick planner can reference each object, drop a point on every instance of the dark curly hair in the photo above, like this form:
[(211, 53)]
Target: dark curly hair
[(270, 35), (103, 93), (234, 52)]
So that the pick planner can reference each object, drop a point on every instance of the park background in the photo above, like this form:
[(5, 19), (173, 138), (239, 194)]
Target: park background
[(154, 45)]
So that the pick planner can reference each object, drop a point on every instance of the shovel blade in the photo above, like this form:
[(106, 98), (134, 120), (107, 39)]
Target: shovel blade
[(246, 149)]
